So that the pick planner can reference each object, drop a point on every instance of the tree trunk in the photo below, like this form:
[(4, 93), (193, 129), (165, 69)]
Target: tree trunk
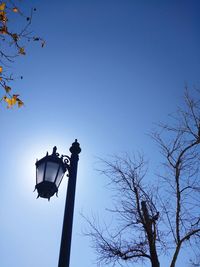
[(154, 259), (151, 235), (175, 255)]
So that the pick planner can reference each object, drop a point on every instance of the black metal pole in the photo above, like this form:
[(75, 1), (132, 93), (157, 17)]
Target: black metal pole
[(64, 257)]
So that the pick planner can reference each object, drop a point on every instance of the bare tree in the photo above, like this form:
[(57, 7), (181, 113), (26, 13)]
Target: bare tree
[(155, 219)]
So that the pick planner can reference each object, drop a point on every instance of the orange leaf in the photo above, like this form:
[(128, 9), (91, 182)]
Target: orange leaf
[(22, 51), (15, 9), (1, 68), (2, 6), (12, 101), (8, 101)]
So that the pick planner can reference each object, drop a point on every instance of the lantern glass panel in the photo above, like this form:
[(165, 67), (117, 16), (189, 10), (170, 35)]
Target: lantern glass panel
[(51, 171), (40, 173), (60, 176)]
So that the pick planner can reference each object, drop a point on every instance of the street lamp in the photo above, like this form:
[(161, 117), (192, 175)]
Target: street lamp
[(49, 173)]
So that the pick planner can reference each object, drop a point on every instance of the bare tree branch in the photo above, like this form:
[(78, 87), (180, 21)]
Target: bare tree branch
[(153, 219)]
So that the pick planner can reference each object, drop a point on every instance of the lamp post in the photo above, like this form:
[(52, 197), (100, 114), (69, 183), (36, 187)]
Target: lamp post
[(49, 173)]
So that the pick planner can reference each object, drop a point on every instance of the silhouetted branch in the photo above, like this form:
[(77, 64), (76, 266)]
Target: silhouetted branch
[(154, 219)]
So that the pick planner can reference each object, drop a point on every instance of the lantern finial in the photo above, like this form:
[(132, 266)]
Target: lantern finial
[(54, 150), (75, 148)]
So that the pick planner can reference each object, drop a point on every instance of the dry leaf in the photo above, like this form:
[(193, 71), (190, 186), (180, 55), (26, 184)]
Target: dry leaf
[(2, 6), (3, 30), (20, 103), (15, 9), (12, 101), (22, 51), (8, 101), (7, 88), (3, 17), (15, 37)]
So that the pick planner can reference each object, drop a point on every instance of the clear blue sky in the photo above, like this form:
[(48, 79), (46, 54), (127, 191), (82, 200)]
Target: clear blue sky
[(110, 69)]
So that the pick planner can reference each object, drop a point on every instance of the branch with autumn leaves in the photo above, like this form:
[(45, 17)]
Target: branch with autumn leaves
[(12, 45)]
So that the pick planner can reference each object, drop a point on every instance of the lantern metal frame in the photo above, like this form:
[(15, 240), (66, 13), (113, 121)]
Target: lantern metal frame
[(45, 188)]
